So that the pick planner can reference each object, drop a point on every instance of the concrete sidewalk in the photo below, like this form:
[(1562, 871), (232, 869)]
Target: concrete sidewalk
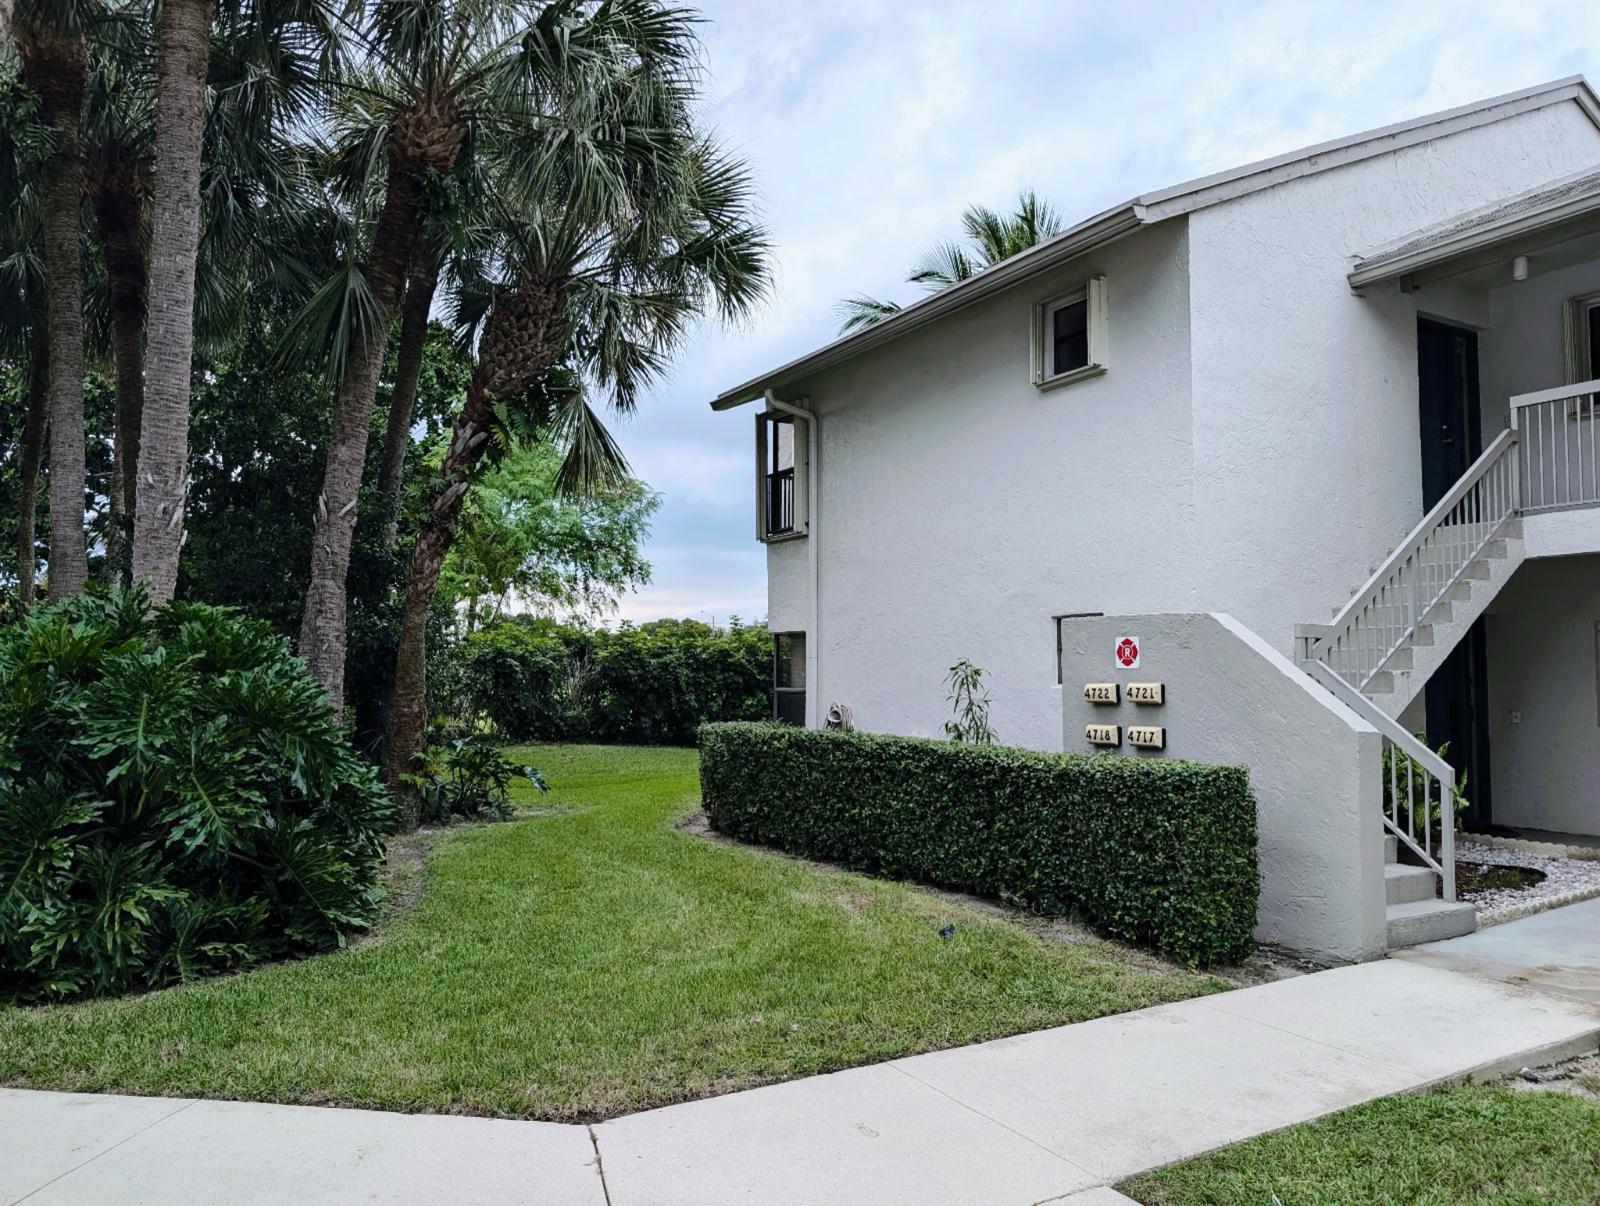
[(1556, 952), (1027, 1119)]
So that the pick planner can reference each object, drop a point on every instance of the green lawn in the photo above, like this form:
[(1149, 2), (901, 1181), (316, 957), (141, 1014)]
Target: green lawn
[(590, 961), (1471, 1143)]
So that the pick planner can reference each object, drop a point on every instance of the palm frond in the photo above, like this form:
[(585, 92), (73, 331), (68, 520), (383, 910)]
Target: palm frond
[(326, 327), (943, 266), (860, 311)]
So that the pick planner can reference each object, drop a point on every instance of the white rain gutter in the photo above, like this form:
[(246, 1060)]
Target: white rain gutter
[(813, 483)]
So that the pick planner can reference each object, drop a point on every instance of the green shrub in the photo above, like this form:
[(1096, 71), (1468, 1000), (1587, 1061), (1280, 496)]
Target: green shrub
[(466, 778), (1156, 851), (175, 800), (652, 684)]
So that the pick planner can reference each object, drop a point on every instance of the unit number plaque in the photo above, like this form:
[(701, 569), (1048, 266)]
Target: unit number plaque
[(1103, 734), (1102, 693), (1147, 737), (1147, 693)]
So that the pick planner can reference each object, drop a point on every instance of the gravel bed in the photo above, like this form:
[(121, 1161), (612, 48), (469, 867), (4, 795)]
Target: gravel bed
[(1565, 880)]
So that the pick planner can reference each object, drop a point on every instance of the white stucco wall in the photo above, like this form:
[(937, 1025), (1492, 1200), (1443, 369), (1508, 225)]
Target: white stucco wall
[(1305, 394), (1542, 665), (1315, 767), (961, 507), (788, 586), (1524, 348)]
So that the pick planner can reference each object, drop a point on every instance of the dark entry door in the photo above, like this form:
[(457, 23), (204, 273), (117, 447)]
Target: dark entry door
[(1457, 696)]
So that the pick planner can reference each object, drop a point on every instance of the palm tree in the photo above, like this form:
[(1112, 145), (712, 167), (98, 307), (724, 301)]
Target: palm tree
[(422, 283), (183, 52), (273, 57), (990, 238), (617, 226), (24, 326), (405, 122), (50, 39), (119, 119)]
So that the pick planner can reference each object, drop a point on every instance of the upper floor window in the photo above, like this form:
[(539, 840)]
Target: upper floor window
[(780, 476), (1069, 338)]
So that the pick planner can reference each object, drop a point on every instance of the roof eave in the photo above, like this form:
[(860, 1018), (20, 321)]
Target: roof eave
[(1168, 203), (1265, 173), (1083, 238), (1380, 269)]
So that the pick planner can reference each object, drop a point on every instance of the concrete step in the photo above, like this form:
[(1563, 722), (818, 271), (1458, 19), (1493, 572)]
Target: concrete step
[(1400, 659), (1495, 548), (1476, 570), (1391, 848), (1403, 884), (1421, 921)]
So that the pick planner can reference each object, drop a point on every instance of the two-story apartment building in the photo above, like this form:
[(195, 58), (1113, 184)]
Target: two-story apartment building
[(1343, 396)]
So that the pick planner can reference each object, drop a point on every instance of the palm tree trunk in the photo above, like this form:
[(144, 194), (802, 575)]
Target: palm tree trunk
[(54, 66), (523, 339), (421, 285), (33, 435), (117, 207), (322, 628), (183, 52)]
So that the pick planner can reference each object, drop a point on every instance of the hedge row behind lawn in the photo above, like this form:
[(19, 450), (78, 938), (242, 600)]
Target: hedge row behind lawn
[(653, 684), (1160, 852)]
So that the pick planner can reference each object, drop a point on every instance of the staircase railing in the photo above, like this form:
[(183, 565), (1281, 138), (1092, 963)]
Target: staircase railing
[(1383, 614), (1559, 446), (1419, 787)]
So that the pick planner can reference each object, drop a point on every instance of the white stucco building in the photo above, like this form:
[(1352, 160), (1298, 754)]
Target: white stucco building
[(1338, 383)]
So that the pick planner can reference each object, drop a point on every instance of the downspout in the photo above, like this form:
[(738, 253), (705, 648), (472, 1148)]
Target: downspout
[(813, 631)]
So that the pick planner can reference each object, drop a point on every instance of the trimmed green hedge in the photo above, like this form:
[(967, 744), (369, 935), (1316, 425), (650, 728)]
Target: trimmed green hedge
[(1160, 852), (653, 684)]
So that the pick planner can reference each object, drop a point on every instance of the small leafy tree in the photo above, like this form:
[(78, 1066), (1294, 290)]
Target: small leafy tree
[(970, 702)]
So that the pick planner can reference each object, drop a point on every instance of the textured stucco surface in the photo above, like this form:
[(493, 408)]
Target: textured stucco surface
[(1314, 765), (1523, 349), (961, 507), (1542, 653), (1253, 447), (1305, 394)]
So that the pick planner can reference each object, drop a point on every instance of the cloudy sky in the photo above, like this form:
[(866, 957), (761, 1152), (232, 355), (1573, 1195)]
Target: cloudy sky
[(870, 124)]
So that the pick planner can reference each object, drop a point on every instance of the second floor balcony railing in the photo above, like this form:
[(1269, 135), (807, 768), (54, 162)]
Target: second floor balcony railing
[(780, 502)]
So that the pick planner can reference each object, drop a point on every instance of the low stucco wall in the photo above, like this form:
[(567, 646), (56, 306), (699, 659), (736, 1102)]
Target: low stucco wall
[(1314, 765)]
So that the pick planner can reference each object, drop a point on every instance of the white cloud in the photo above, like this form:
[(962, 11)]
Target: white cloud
[(871, 124)]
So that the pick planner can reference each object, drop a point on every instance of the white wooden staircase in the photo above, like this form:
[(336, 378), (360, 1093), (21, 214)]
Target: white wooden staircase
[(1381, 647)]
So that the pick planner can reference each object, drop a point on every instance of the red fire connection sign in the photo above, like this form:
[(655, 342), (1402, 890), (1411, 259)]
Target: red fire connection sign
[(1127, 653)]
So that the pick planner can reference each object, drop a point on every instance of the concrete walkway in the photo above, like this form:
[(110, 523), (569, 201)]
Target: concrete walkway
[(1556, 952), (1040, 1117)]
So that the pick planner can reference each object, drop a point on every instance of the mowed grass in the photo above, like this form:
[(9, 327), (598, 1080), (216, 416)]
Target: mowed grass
[(1467, 1144), (590, 961)]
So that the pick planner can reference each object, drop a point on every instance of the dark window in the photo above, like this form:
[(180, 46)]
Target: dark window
[(1069, 335), (1594, 343), (779, 475), (789, 677)]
